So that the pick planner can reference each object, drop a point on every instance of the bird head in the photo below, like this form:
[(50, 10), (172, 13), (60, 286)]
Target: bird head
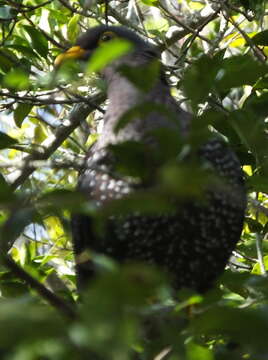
[(92, 39)]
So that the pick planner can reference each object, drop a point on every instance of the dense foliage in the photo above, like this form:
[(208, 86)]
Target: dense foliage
[(215, 58)]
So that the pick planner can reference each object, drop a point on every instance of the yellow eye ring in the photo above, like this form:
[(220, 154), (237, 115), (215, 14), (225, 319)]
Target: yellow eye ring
[(106, 36)]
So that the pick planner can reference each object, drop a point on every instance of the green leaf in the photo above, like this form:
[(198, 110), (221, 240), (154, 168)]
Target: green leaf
[(6, 141), (6, 193), (254, 225), (20, 113), (257, 104), (15, 224), (169, 141), (258, 183), (134, 159), (108, 52), (5, 64), (261, 84), (197, 352), (7, 60), (58, 17), (39, 134), (142, 110), (261, 38), (24, 50), (233, 322), (38, 40), (187, 180), (13, 289), (146, 202), (16, 79), (143, 77), (250, 130), (238, 71), (150, 2), (257, 268), (199, 77), (27, 321), (73, 28), (58, 199)]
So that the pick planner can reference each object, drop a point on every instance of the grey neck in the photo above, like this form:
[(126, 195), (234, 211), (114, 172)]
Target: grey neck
[(123, 96)]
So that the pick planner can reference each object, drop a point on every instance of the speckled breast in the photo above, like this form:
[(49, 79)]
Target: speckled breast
[(194, 243)]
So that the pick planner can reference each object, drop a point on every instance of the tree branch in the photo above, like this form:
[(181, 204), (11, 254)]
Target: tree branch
[(65, 308), (78, 114), (196, 26), (258, 206)]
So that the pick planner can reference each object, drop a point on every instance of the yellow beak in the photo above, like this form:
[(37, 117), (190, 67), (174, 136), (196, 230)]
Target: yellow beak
[(74, 52)]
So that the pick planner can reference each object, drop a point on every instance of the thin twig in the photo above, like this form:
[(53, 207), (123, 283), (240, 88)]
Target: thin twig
[(46, 35), (39, 102), (259, 240), (256, 50), (178, 35), (77, 164), (257, 205), (194, 31), (58, 303), (260, 254), (78, 114)]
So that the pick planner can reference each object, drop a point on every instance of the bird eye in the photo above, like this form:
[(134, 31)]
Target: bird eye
[(108, 35)]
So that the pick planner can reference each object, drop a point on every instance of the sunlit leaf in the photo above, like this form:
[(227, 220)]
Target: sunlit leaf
[(150, 2), (73, 28), (257, 268), (16, 79), (197, 352), (108, 52)]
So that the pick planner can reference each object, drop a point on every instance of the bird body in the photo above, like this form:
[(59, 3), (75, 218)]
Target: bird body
[(194, 241)]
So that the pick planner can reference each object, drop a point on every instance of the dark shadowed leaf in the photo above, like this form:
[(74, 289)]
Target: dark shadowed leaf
[(27, 321), (6, 141), (38, 40), (251, 131), (20, 113), (258, 183), (143, 77), (238, 71), (257, 104), (199, 78), (24, 50), (6, 193), (254, 225), (132, 158), (142, 110), (261, 38), (233, 322), (7, 59), (16, 224)]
